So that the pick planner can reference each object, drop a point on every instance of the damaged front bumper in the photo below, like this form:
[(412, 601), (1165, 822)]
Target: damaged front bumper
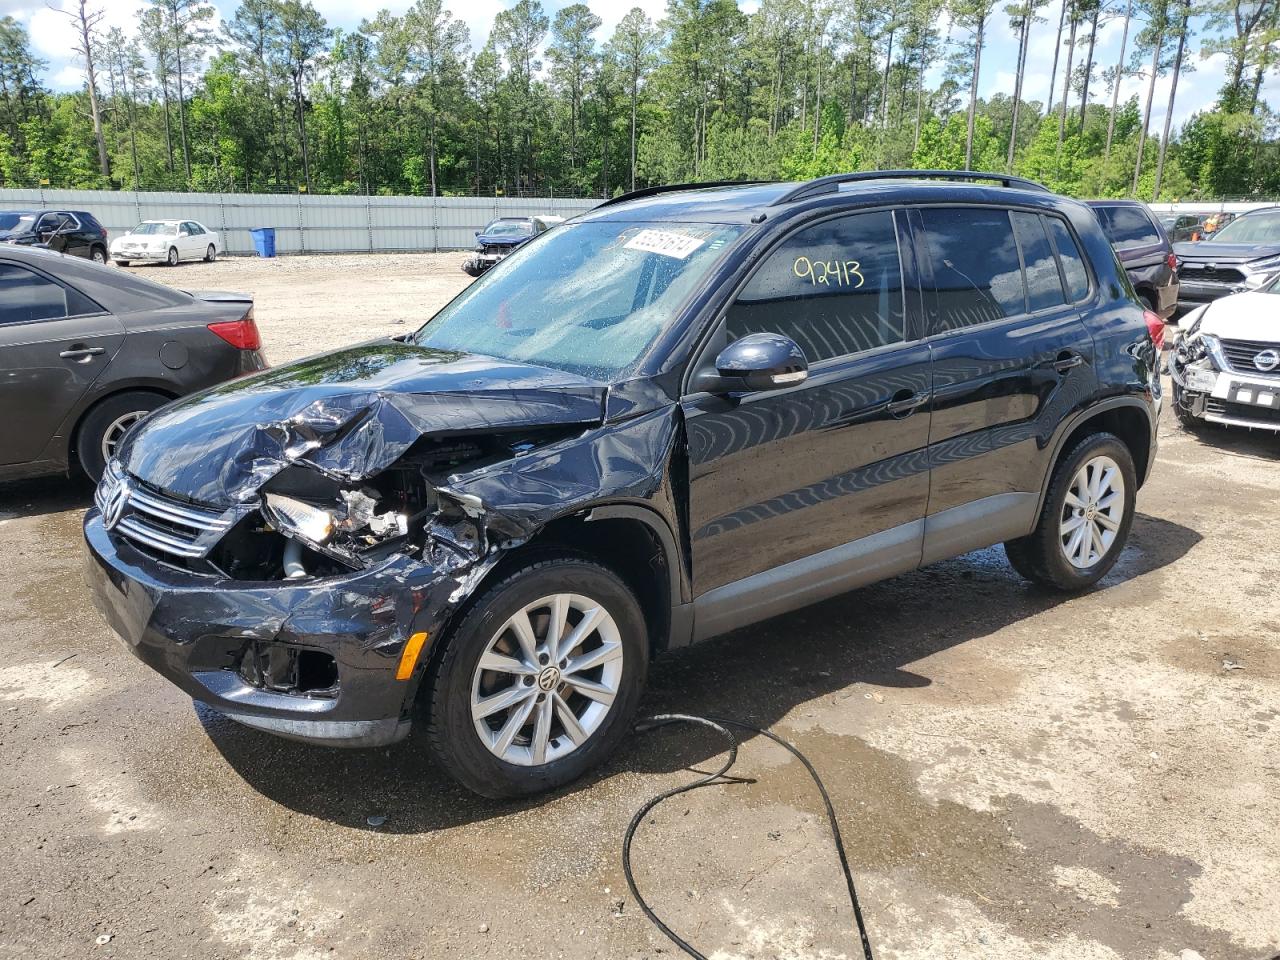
[(314, 660)]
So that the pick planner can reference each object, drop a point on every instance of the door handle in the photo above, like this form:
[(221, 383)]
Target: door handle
[(1067, 360), (81, 353), (905, 403)]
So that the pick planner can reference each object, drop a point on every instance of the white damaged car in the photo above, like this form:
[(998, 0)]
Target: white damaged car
[(166, 241), (1226, 366)]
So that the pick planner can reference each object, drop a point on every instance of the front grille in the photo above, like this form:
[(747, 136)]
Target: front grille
[(499, 249), (1190, 271), (158, 522), (1240, 355), (1241, 411)]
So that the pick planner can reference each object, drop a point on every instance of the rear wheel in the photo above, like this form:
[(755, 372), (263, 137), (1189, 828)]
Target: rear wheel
[(172, 258), (540, 679), (210, 254), (98, 255), (105, 425), (1086, 517)]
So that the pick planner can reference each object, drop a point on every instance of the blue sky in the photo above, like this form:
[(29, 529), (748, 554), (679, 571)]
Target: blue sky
[(52, 38)]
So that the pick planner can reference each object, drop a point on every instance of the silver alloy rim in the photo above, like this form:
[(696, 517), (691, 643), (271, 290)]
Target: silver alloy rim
[(173, 257), (210, 254), (1092, 512), (115, 433), (547, 679), (99, 257)]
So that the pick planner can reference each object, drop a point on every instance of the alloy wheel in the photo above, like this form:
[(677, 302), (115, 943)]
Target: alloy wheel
[(547, 679), (98, 256), (115, 432), (1092, 512)]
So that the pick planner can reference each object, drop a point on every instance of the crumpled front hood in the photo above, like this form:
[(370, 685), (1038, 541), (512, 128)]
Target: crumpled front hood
[(1214, 251), (1244, 316), (350, 414)]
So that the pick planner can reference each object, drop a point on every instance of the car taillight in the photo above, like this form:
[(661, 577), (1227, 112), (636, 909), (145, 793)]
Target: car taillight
[(241, 334), (1155, 326), (1172, 260)]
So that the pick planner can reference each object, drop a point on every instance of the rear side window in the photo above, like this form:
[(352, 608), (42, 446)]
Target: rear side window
[(1073, 271), (976, 269), (835, 288), (1128, 227), (27, 296), (1044, 284)]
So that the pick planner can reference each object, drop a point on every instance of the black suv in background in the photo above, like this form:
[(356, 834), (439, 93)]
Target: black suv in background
[(1144, 248), (65, 231), (684, 412)]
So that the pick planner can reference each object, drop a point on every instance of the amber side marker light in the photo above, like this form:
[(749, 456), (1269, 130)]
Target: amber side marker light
[(409, 659)]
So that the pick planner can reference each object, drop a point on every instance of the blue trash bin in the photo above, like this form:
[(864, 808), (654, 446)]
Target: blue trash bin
[(264, 241)]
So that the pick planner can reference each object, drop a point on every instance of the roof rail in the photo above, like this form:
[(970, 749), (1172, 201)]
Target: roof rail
[(672, 187), (831, 184)]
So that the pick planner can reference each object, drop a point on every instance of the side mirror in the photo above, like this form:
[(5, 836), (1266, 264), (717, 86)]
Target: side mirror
[(761, 361), (477, 233)]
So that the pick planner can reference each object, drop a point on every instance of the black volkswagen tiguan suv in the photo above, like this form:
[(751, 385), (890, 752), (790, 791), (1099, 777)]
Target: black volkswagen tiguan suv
[(684, 412)]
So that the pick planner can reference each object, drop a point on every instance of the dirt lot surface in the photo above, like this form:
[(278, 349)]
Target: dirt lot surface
[(1019, 776)]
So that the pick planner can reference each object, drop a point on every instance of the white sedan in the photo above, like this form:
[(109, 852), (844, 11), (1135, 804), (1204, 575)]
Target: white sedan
[(1226, 367), (167, 241)]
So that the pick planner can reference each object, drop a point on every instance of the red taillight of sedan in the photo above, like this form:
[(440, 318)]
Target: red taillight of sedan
[(1172, 260), (1155, 326), (241, 334)]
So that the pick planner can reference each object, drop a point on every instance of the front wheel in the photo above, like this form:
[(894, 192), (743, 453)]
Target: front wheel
[(172, 258), (122, 263), (540, 680), (1086, 516), (210, 254)]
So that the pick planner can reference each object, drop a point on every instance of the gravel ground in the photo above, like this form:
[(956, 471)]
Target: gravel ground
[(1017, 775)]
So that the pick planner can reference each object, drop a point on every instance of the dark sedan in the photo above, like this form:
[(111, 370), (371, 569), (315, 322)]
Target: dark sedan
[(87, 351)]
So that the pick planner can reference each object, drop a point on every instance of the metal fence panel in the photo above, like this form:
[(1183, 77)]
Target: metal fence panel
[(305, 224)]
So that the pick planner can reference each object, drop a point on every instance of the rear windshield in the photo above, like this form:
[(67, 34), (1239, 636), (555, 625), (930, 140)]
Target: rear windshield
[(1254, 228), (1128, 227), (157, 229), (588, 297)]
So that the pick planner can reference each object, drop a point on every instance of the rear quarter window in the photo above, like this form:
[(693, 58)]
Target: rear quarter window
[(1074, 272)]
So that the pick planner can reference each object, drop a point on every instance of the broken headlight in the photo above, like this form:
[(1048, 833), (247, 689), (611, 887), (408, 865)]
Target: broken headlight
[(296, 517), (356, 517)]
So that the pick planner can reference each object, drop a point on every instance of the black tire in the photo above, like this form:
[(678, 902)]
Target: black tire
[(1182, 411), (451, 731), (101, 418), (210, 254), (122, 263), (172, 258), (1039, 556), (98, 254), (1148, 303)]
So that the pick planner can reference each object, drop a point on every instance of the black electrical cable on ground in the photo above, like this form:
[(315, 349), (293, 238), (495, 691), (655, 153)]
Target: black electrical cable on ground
[(721, 726)]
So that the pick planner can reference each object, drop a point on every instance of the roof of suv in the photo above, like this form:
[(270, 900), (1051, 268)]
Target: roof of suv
[(747, 202)]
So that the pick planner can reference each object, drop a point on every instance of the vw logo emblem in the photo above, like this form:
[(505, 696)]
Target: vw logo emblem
[(114, 506), (1267, 360)]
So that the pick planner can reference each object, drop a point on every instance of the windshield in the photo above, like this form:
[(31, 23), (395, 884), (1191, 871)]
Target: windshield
[(508, 228), (16, 221), (1255, 228), (588, 297), (157, 229)]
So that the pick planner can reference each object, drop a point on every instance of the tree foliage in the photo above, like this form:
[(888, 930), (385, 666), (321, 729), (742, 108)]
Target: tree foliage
[(272, 98)]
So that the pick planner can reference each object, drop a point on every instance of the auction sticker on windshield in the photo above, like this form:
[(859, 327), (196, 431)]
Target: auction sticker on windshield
[(668, 244)]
